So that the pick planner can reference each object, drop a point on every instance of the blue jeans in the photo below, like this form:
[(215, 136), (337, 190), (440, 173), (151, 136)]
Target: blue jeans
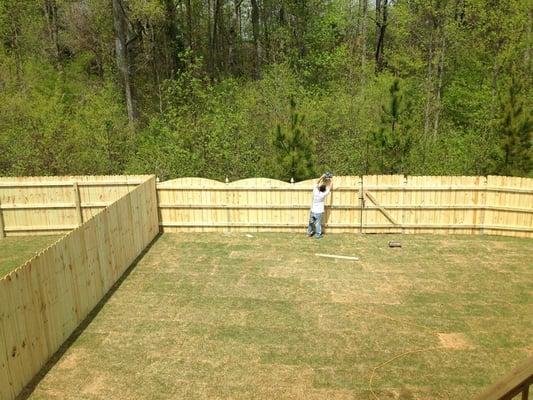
[(315, 224)]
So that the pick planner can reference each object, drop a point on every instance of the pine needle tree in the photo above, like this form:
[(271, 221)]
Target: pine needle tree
[(295, 150), (393, 139), (515, 129)]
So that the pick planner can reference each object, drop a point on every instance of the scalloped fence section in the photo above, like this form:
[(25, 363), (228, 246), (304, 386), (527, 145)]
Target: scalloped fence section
[(368, 204), (44, 301)]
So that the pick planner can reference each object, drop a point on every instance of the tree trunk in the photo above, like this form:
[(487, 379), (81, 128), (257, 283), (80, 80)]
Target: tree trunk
[(459, 11), (217, 37), (429, 89), (235, 40), (364, 21), (529, 39), (301, 27), (266, 32), (123, 62), (438, 105), (255, 31), (15, 31), (188, 9), (50, 11), (210, 43), (281, 16), (173, 44), (381, 26), (378, 17), (238, 19)]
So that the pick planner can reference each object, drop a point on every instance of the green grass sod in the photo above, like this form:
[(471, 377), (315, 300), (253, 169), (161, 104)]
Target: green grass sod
[(212, 316), (16, 250)]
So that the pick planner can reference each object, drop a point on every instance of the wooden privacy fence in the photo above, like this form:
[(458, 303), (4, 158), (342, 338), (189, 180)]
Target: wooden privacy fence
[(43, 301), (368, 204), (56, 205)]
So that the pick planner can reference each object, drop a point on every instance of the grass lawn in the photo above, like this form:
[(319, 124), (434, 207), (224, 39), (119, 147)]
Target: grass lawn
[(210, 316), (14, 251)]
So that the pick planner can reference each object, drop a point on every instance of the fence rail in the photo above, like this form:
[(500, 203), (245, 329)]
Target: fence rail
[(371, 204), (43, 301)]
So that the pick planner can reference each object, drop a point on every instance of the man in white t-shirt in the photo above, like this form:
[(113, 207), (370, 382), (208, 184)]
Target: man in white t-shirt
[(320, 192)]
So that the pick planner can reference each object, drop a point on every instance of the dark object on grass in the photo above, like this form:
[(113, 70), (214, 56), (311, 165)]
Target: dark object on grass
[(395, 244)]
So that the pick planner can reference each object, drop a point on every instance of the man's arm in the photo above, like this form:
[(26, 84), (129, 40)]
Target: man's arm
[(329, 186)]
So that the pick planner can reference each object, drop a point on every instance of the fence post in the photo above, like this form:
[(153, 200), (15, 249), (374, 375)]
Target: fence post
[(361, 204), (79, 212), (2, 230), (483, 206), (228, 212), (404, 210)]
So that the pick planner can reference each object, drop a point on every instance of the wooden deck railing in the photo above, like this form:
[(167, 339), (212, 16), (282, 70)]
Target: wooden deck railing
[(511, 385)]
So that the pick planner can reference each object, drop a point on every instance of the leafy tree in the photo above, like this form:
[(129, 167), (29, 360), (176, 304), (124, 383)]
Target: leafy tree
[(295, 150), (211, 82)]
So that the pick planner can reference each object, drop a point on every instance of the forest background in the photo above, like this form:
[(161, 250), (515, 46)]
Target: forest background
[(272, 88)]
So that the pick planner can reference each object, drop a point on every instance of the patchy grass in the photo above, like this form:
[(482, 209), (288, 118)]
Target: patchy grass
[(14, 251), (208, 316)]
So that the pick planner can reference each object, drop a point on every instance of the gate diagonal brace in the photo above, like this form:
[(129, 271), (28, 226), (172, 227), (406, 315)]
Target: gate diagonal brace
[(383, 211)]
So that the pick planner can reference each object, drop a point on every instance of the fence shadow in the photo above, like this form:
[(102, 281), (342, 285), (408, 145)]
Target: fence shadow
[(32, 385)]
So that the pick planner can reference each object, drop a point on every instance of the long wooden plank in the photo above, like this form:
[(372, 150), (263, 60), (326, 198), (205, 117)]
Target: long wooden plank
[(38, 206), (39, 228), (336, 256), (67, 184), (110, 183), (34, 184)]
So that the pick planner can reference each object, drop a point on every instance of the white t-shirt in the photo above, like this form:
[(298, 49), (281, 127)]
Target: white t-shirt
[(318, 200)]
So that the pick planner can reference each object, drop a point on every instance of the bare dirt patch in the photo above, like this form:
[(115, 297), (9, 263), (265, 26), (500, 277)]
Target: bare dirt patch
[(71, 360), (96, 386), (455, 341)]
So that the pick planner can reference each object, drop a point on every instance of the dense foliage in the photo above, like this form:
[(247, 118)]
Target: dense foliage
[(204, 88)]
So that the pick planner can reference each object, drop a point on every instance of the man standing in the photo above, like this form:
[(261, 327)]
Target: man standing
[(320, 192)]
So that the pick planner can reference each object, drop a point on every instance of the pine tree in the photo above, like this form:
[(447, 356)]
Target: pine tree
[(515, 129), (295, 150), (393, 139)]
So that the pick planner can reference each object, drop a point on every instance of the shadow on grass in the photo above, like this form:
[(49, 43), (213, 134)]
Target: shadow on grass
[(30, 387)]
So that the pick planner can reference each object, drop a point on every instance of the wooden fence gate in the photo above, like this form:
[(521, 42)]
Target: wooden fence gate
[(381, 204)]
